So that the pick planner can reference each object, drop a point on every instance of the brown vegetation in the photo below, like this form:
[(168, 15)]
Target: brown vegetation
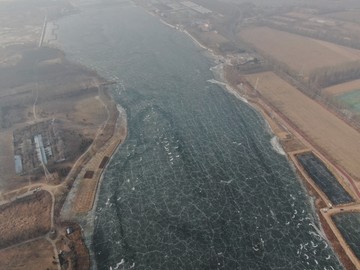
[(39, 85), (87, 188), (85, 195), (73, 101), (327, 76), (299, 53), (74, 254), (341, 143), (342, 88), (24, 219), (35, 255)]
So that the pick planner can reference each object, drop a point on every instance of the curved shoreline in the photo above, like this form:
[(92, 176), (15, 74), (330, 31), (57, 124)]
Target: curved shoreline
[(80, 211), (87, 221), (89, 237), (328, 227)]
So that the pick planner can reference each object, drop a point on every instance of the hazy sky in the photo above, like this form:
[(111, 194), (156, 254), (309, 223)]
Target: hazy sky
[(325, 3)]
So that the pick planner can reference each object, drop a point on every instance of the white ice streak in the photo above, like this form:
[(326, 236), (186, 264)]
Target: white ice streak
[(226, 182), (229, 88), (108, 204), (237, 143), (319, 234), (274, 216), (314, 245), (118, 265), (277, 146)]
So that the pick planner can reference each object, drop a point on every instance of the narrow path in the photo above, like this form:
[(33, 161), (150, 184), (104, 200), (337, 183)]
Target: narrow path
[(43, 32), (36, 99), (55, 252), (349, 252), (23, 243)]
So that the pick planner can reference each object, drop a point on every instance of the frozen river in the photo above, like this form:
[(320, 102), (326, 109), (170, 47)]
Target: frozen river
[(197, 184)]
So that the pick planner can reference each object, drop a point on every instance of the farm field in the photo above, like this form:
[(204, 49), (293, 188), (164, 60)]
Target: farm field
[(34, 255), (299, 53), (27, 218), (341, 143), (352, 99), (347, 93), (342, 88)]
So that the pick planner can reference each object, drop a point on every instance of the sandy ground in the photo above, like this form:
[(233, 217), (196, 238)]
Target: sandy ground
[(329, 133), (34, 255), (298, 52), (342, 88)]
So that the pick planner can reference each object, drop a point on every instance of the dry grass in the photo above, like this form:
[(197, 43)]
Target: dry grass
[(85, 195), (90, 110), (335, 138), (7, 164), (24, 219), (298, 52), (66, 91), (30, 256), (342, 88)]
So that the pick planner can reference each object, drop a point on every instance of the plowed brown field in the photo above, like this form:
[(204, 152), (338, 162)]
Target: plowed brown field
[(342, 88), (299, 53), (333, 136)]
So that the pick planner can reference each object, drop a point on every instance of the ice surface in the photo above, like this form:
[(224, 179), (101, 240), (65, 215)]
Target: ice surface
[(197, 184)]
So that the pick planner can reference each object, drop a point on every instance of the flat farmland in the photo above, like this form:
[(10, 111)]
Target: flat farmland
[(298, 52), (34, 255), (352, 100), (26, 218), (342, 88), (334, 137)]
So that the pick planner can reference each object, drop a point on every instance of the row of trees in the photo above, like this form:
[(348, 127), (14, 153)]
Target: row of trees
[(326, 33), (327, 76), (312, 84)]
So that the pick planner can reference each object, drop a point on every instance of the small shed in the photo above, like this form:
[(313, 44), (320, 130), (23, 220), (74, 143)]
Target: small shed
[(69, 230)]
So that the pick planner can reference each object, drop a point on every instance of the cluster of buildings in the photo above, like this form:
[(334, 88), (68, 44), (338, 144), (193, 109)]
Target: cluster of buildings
[(37, 145)]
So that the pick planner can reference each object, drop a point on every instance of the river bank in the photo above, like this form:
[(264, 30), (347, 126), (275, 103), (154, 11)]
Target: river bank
[(81, 201), (187, 139), (286, 141)]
